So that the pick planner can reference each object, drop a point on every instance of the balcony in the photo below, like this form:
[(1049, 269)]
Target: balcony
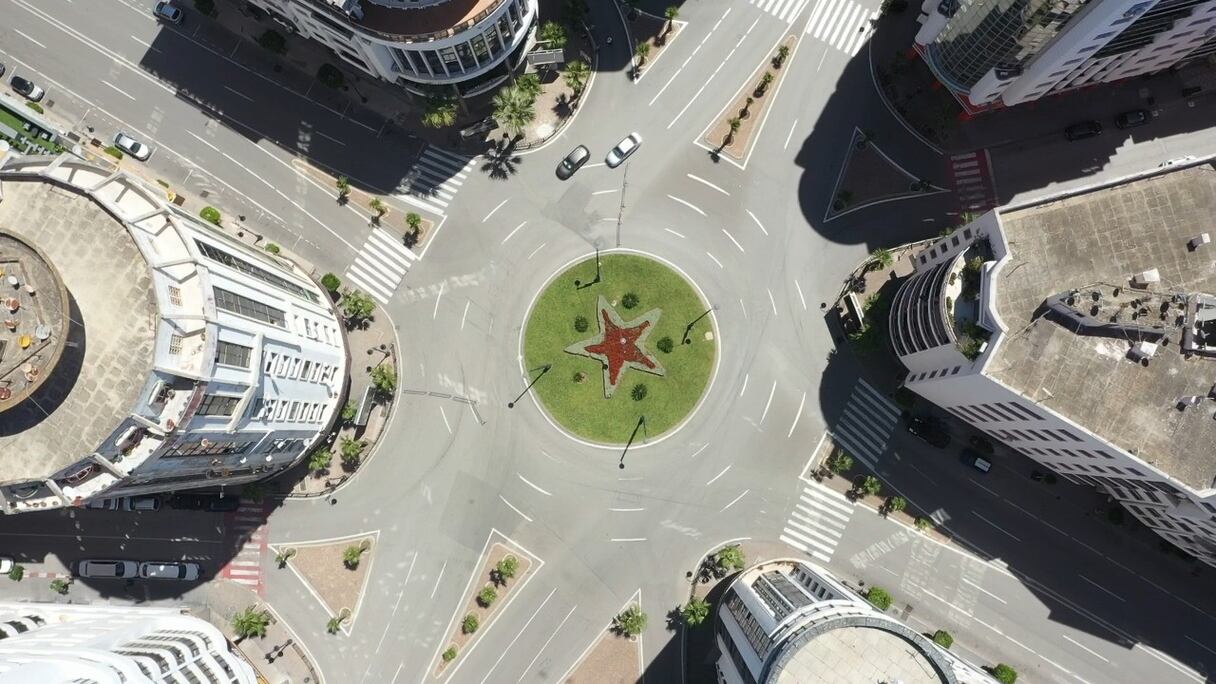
[(961, 300)]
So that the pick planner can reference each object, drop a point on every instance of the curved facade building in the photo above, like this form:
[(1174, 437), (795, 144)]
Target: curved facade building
[(143, 350), (469, 45)]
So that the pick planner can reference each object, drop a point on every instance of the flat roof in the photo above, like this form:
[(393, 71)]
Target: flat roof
[(34, 306), (109, 343), (408, 21), (1095, 243), (859, 655)]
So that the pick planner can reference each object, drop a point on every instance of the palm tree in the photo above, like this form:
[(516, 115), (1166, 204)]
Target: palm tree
[(343, 184), (513, 109), (554, 35), (642, 51), (440, 112), (695, 612), (734, 124), (378, 206), (671, 13), (250, 622), (530, 84), (881, 258), (576, 76), (351, 556)]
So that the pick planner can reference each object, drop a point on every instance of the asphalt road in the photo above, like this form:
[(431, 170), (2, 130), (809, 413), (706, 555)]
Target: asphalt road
[(753, 238)]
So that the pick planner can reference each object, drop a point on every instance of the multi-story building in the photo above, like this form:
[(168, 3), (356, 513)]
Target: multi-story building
[(1081, 332), (144, 350), (466, 45), (787, 621), (53, 643), (993, 53)]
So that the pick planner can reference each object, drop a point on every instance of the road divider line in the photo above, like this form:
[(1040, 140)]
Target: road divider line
[(719, 263), (715, 477), (628, 539), (768, 403), (239, 94), (800, 297), (546, 644), (446, 424), (732, 239), (542, 246), (744, 387), (688, 204), (1101, 588), (679, 235), (532, 484), (118, 90), (328, 137), (698, 451), (989, 593), (487, 218), (772, 302), (1002, 530), (1200, 645), (508, 503), (605, 192), (29, 38), (512, 233), (435, 312), (743, 307), (438, 578), (705, 182), (734, 501), (144, 43), (1093, 653), (758, 224), (200, 139), (797, 416), (791, 134), (1171, 662), (518, 634), (626, 510)]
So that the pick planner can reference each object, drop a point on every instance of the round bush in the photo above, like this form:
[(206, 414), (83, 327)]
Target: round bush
[(580, 324), (450, 654), (210, 215), (331, 282), (273, 248), (470, 624), (580, 377), (665, 345), (639, 392), (629, 301)]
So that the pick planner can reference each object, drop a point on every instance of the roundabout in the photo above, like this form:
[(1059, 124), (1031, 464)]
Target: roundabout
[(618, 350)]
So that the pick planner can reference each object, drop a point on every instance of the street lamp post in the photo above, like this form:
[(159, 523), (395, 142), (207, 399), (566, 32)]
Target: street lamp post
[(688, 328), (640, 426), (578, 285), (543, 369)]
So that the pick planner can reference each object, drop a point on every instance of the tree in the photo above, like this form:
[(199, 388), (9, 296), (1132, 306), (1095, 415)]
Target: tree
[(414, 221), (487, 596), (554, 35), (639, 391), (513, 110), (17, 573), (665, 345), (335, 623), (60, 585), (351, 556), (730, 558), (281, 558), (869, 485), (923, 524), (349, 411), (352, 451), (440, 112), (881, 258), (576, 75), (631, 621), (671, 13), (273, 41), (320, 460), (530, 85), (782, 53), (469, 624), (450, 654), (695, 612), (575, 10), (331, 282), (896, 504), (1004, 674), (506, 569), (357, 305), (642, 51), (384, 379), (250, 622), (254, 491), (942, 638), (343, 184), (377, 205), (840, 463), (879, 597)]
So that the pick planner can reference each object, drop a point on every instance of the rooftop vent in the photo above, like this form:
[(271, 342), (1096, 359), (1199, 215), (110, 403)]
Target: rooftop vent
[(1142, 351), (1198, 241), (1144, 278)]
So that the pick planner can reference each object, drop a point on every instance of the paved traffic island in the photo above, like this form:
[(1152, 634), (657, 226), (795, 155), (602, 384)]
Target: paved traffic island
[(619, 353)]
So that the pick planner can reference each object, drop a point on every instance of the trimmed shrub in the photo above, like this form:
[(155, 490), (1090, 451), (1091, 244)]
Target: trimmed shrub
[(665, 345), (36, 107), (17, 573), (273, 248), (210, 215), (331, 282), (879, 598), (330, 76), (942, 638), (1004, 674), (274, 41), (114, 152), (630, 300), (638, 392), (469, 624), (205, 7), (507, 567), (580, 324), (59, 586), (450, 654), (487, 597)]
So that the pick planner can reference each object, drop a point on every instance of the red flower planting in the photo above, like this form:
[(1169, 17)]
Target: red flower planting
[(620, 345)]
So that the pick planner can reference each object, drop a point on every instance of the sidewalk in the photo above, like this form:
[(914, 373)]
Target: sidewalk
[(291, 661)]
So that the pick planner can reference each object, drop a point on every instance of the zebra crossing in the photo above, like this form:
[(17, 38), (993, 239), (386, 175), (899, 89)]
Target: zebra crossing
[(248, 523), (785, 10), (843, 24), (817, 522), (971, 175), (435, 179), (380, 265), (868, 420)]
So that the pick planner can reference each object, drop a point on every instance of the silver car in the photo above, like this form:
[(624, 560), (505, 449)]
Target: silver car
[(170, 570), (132, 147), (617, 155)]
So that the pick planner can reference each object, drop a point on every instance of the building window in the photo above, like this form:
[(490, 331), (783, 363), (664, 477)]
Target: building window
[(1070, 435), (218, 405), (250, 308), (206, 447), (238, 264), (175, 344), (231, 354), (175, 295)]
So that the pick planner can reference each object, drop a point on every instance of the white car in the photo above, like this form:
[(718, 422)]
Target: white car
[(132, 147), (146, 502), (165, 10), (107, 569), (6, 564), (105, 504), (170, 570), (617, 155)]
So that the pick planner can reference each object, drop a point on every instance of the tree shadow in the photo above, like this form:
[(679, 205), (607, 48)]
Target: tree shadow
[(501, 161)]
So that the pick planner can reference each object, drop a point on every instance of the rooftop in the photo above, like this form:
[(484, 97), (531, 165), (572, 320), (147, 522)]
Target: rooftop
[(1084, 252), (35, 312), (111, 321), (859, 655), (437, 18)]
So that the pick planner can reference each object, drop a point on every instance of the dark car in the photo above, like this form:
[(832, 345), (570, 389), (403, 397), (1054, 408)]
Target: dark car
[(27, 89), (204, 502), (1083, 130), (573, 162), (929, 430), (1132, 119), (973, 458)]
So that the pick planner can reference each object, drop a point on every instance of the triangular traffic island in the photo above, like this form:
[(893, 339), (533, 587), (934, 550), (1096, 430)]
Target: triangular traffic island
[(868, 177), (335, 572), (613, 658)]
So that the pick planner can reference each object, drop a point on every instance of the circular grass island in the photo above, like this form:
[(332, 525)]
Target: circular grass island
[(615, 351)]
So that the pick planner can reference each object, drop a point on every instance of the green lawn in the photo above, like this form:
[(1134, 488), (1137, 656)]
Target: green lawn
[(581, 407)]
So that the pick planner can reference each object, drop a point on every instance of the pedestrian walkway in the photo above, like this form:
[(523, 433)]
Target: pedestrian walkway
[(435, 179), (817, 522), (843, 24), (866, 424), (380, 265), (247, 526), (785, 10), (971, 175)]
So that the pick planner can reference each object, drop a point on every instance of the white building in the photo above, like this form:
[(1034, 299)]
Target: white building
[(149, 351), (467, 44), (1081, 332), (790, 622), (993, 53), (68, 644)]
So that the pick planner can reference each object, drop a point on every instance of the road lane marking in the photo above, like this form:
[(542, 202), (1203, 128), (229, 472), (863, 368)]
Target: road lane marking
[(532, 484), (118, 90), (715, 477), (542, 246), (546, 644), (674, 233), (732, 239), (144, 43), (715, 73), (626, 510), (688, 204), (1083, 648), (768, 403), (1171, 662), (328, 137), (998, 527), (688, 59), (487, 218), (983, 589), (435, 312), (604, 192), (438, 578), (762, 230), (192, 135), (465, 315), (791, 135), (628, 539), (512, 233), (742, 306), (30, 39), (1100, 587), (772, 302), (744, 388), (734, 501), (797, 416), (702, 180), (521, 513), (719, 263), (800, 297), (239, 94), (1200, 645), (518, 634), (698, 451)]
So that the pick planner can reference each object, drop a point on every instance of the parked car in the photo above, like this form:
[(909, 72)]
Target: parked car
[(144, 502), (105, 504), (2, 68), (26, 88), (972, 458), (6, 564), (193, 501), (132, 146), (166, 11), (573, 162), (929, 430), (107, 569), (170, 570), (1134, 118), (1083, 130), (617, 155)]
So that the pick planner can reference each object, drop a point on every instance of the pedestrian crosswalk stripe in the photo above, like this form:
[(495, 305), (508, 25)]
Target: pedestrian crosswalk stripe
[(804, 549), (866, 423), (810, 537), (833, 504), (376, 277), (383, 238), (785, 10), (843, 24), (882, 403), (830, 530), (847, 17), (369, 284), (817, 522), (792, 10), (829, 11), (865, 429), (384, 263), (440, 152)]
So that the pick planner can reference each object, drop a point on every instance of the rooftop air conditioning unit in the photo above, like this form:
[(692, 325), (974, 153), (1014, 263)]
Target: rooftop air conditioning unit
[(1144, 278)]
